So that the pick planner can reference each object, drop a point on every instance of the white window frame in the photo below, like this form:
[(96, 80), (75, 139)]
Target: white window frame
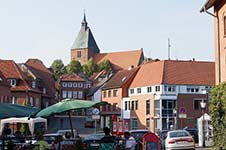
[(80, 84), (75, 94), (69, 84), (64, 94), (75, 84), (13, 82), (69, 94), (80, 94), (33, 84), (64, 84)]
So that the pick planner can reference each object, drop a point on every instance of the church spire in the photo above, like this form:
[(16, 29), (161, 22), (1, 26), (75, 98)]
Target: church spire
[(84, 23)]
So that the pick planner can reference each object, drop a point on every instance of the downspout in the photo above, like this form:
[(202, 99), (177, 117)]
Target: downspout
[(218, 41)]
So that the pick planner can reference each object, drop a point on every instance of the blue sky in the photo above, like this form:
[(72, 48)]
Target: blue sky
[(46, 29)]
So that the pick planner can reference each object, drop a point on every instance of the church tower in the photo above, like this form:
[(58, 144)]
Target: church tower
[(84, 46)]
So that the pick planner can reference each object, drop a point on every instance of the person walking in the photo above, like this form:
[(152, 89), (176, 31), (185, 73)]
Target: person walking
[(130, 142), (108, 141), (41, 144)]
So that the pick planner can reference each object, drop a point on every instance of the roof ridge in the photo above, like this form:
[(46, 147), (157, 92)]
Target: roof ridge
[(122, 51)]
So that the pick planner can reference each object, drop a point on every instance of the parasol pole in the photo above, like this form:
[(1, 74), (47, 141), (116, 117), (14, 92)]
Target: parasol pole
[(69, 114)]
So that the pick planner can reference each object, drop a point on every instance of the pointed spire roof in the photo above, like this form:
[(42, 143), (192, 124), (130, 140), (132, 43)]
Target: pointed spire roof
[(85, 38)]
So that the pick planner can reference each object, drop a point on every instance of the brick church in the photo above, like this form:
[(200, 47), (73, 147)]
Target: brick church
[(85, 47)]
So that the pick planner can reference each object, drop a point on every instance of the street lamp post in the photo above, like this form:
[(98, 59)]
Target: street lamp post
[(203, 106), (175, 118)]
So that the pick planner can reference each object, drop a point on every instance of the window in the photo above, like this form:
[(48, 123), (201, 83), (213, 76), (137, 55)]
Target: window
[(136, 105), (74, 94), (126, 108), (148, 123), (44, 90), (134, 123), (115, 106), (31, 101), (64, 84), (131, 91), (197, 104), (104, 94), (147, 107), (115, 93), (33, 84), (132, 107), (64, 94), (157, 88), (14, 100), (80, 84), (169, 88), (109, 93), (149, 89), (69, 84), (79, 54), (138, 90), (224, 25), (80, 94), (69, 94), (13, 82), (74, 84)]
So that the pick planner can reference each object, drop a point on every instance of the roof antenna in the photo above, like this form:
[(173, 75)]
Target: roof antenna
[(169, 46)]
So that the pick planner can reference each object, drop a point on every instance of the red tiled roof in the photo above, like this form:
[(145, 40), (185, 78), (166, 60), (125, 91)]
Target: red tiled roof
[(121, 60), (40, 70), (175, 72), (71, 77), (120, 78), (11, 70), (209, 4)]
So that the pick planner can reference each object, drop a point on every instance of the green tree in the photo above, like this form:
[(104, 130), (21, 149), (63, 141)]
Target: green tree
[(89, 68), (105, 65), (58, 68), (74, 67), (218, 114)]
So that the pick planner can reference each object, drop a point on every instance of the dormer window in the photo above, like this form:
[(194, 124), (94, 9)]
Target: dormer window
[(33, 84), (13, 82), (64, 84)]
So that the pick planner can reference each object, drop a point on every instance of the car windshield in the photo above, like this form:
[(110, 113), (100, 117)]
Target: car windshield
[(178, 134)]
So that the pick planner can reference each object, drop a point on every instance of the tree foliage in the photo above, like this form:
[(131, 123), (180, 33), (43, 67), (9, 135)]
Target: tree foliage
[(105, 65), (218, 114), (74, 67), (89, 68), (58, 68)]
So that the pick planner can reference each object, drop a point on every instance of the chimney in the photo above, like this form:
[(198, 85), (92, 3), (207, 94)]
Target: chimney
[(193, 59)]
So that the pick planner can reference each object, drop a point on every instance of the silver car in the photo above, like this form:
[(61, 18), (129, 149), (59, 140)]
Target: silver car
[(179, 139)]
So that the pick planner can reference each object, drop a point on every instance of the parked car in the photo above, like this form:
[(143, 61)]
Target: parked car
[(162, 136), (17, 142), (179, 139), (53, 137), (194, 133), (92, 141), (138, 134), (63, 132)]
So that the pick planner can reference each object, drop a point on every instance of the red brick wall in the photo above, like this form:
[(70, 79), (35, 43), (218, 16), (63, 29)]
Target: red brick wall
[(220, 11), (186, 101)]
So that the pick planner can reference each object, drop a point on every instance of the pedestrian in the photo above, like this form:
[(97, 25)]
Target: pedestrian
[(108, 141), (66, 144), (41, 144), (130, 142), (108, 138)]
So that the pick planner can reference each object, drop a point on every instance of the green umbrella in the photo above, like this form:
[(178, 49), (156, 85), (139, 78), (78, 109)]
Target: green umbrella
[(67, 105), (13, 110)]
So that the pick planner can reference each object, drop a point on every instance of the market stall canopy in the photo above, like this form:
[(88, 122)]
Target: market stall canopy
[(13, 110), (67, 105), (30, 121)]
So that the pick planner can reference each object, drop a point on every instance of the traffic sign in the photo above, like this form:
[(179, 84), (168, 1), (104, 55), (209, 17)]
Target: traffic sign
[(182, 115), (182, 110), (95, 111), (95, 117)]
